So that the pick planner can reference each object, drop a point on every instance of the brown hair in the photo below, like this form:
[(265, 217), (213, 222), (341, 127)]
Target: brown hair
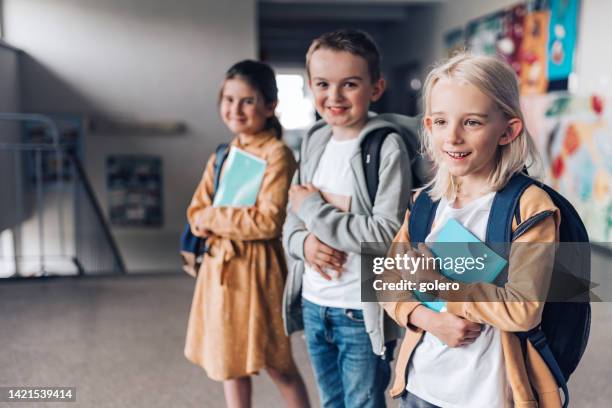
[(356, 42)]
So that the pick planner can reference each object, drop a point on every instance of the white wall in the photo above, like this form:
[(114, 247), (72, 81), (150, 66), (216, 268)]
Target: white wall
[(141, 60), (594, 59)]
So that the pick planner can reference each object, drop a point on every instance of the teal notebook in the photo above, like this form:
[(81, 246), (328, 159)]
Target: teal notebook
[(241, 179), (466, 245)]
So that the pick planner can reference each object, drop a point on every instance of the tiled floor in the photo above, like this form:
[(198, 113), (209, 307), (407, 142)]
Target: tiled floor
[(119, 341)]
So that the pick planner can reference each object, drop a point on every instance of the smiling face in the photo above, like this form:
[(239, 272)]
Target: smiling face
[(467, 128), (342, 90), (242, 108)]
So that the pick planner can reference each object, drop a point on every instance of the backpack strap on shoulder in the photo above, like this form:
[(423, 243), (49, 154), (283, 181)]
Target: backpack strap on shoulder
[(220, 156), (504, 210), (499, 225), (370, 157), (421, 217)]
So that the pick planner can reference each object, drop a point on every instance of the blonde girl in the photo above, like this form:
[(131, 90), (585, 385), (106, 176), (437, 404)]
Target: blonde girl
[(468, 355), (235, 326)]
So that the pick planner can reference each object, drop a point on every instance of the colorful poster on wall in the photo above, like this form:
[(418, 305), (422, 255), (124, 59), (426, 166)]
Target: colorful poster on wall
[(482, 34), (134, 190), (509, 44), (562, 38), (533, 70), (574, 136), (537, 37)]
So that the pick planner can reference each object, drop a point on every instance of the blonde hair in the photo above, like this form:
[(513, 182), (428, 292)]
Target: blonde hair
[(497, 80)]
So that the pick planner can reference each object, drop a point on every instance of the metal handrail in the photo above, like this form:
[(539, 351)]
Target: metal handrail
[(59, 150)]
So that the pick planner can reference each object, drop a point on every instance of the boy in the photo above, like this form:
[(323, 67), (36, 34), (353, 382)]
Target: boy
[(332, 213)]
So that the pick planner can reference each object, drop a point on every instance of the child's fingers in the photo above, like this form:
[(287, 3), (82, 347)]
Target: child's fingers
[(321, 272), (473, 327), (330, 256), (471, 335), (334, 253), (327, 262), (326, 248), (339, 257)]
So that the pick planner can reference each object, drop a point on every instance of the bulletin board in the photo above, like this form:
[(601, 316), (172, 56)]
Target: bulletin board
[(537, 38), (134, 185), (574, 137)]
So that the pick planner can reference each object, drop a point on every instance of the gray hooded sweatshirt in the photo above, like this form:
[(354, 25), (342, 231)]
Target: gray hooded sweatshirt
[(366, 221)]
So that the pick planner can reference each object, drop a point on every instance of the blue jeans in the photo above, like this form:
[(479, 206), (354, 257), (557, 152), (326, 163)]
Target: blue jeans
[(412, 401), (347, 371)]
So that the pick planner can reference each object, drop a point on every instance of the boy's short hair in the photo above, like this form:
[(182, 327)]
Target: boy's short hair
[(356, 42)]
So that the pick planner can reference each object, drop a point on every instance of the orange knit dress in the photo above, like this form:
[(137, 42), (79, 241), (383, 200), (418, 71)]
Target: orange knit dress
[(235, 326)]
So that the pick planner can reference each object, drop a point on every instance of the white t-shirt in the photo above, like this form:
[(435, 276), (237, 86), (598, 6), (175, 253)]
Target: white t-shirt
[(471, 376), (334, 175)]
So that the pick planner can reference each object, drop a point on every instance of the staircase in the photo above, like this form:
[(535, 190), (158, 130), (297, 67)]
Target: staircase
[(51, 223)]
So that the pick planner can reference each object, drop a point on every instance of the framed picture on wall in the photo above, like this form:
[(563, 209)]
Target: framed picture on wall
[(134, 185)]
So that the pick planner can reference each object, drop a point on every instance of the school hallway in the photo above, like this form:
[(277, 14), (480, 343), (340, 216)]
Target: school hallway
[(119, 341)]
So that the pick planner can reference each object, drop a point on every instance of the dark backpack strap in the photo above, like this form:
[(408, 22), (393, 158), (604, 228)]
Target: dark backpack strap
[(505, 203), (504, 209), (421, 217), (537, 338), (370, 157), (220, 156), (189, 242)]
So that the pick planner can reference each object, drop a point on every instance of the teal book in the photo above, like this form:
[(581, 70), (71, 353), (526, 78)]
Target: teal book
[(464, 245), (241, 179)]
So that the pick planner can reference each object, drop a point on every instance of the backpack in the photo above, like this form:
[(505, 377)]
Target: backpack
[(563, 333), (193, 248)]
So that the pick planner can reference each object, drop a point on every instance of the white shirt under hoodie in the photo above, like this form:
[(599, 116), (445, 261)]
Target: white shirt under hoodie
[(334, 175)]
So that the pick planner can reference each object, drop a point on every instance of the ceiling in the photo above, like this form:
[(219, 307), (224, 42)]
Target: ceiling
[(286, 27)]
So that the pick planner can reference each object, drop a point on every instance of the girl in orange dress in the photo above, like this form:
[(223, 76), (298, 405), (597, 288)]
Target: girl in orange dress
[(235, 326)]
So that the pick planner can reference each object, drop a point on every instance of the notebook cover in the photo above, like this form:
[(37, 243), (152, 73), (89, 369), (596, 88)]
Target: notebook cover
[(465, 244), (241, 179)]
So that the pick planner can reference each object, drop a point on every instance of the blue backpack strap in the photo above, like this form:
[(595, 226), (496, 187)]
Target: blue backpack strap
[(189, 242), (504, 209), (537, 338), (499, 226), (422, 216), (220, 156)]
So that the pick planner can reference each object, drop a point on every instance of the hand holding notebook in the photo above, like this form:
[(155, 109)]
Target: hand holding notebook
[(455, 241)]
